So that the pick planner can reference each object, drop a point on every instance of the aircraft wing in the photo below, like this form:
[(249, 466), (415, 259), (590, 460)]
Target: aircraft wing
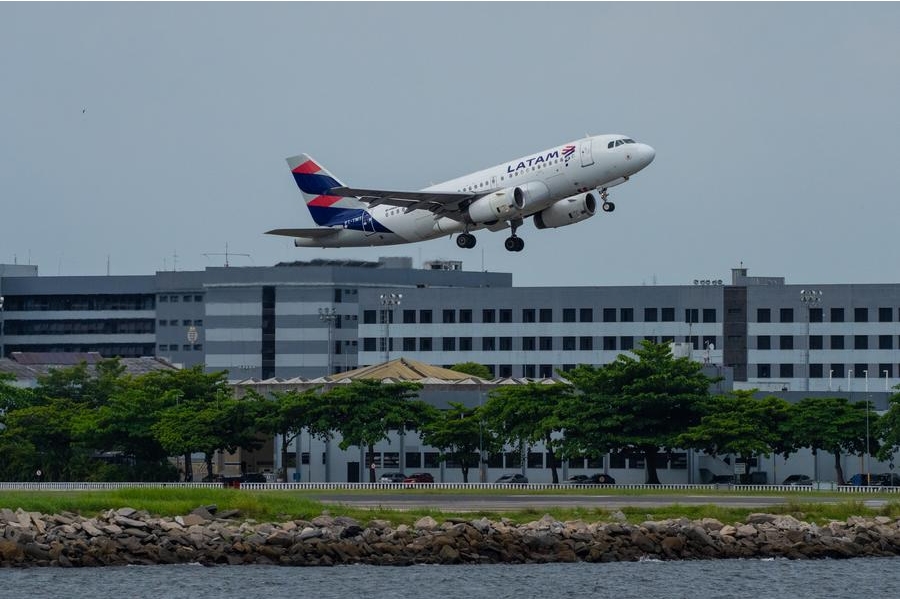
[(318, 233), (440, 202)]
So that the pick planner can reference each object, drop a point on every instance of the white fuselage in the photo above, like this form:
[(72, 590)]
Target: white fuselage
[(567, 170)]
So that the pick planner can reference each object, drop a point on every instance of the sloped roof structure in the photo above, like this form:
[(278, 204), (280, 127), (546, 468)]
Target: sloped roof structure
[(403, 369)]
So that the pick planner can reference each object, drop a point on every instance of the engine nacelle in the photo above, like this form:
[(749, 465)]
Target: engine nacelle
[(509, 203), (567, 211)]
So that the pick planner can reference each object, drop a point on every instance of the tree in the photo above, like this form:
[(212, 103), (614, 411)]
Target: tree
[(292, 412), (475, 369), (364, 411), (459, 433), (740, 424), (832, 424), (527, 414), (638, 403)]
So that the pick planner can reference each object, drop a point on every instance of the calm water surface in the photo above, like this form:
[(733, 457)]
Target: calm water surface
[(726, 579)]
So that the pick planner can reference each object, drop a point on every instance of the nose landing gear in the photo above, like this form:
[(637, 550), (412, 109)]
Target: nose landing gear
[(606, 205)]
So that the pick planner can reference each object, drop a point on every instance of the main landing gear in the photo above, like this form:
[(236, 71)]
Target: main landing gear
[(606, 205), (514, 243), (466, 241)]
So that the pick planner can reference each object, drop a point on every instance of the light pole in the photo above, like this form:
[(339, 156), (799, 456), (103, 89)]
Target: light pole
[(868, 459), (388, 302), (885, 372), (809, 298), (329, 316)]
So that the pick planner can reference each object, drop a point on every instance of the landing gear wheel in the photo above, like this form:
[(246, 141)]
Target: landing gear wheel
[(608, 206), (466, 241), (514, 244)]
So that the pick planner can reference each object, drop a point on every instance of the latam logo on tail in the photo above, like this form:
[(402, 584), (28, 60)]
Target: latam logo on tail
[(550, 187)]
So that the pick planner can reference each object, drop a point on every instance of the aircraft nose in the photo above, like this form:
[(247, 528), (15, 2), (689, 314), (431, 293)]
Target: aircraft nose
[(647, 154)]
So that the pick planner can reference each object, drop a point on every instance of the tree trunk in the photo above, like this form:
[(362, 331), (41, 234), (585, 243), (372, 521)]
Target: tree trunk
[(838, 469), (284, 454), (465, 473), (209, 466), (371, 463), (188, 468), (650, 458), (551, 457)]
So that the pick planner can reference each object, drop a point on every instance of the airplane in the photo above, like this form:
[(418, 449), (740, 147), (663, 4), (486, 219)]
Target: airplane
[(555, 188)]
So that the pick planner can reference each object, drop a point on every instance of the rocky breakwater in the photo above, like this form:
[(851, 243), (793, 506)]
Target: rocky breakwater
[(126, 536)]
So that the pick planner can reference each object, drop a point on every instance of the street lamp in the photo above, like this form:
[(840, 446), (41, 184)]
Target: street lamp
[(388, 302), (809, 298), (885, 372), (1, 327), (329, 316), (868, 459)]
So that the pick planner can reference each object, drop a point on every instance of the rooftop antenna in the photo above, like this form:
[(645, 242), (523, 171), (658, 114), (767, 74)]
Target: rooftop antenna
[(227, 254)]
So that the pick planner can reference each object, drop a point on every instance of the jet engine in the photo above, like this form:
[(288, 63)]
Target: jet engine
[(509, 203), (567, 211)]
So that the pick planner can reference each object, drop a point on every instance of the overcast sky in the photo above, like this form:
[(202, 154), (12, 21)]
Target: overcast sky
[(134, 132)]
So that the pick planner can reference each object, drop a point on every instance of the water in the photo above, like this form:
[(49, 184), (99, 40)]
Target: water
[(717, 579)]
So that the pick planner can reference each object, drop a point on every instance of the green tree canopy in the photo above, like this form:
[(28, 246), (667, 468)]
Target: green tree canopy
[(640, 403), (461, 436)]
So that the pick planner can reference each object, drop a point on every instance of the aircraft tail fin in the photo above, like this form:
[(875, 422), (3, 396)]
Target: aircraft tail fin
[(314, 182)]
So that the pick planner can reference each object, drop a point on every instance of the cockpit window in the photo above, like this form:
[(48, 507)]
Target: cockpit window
[(620, 142)]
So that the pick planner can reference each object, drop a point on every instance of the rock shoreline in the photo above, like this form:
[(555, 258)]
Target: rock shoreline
[(129, 537)]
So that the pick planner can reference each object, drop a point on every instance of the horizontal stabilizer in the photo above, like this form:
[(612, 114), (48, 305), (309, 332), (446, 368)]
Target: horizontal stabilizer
[(305, 233)]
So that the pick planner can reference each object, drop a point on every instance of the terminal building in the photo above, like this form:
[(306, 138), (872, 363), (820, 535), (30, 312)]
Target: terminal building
[(306, 320)]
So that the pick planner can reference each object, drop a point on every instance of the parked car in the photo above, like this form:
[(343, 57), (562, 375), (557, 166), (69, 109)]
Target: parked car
[(392, 477), (578, 479), (254, 477), (601, 479), (512, 479), (889, 479), (798, 480), (418, 478), (863, 480)]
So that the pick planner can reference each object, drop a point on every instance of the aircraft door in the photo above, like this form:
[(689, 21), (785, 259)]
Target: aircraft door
[(587, 157), (368, 224)]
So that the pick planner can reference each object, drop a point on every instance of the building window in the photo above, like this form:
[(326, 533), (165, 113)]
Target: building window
[(505, 315), (369, 343), (787, 315), (426, 344), (369, 317), (163, 298), (449, 344), (546, 315), (488, 344), (626, 315), (860, 342), (786, 342), (425, 316), (609, 343), (448, 316), (691, 315), (465, 344), (465, 315), (609, 314), (837, 342), (586, 343), (586, 315), (545, 371), (626, 343), (815, 342), (187, 298), (163, 323), (815, 315), (764, 371), (886, 370), (650, 314), (709, 315), (837, 371), (528, 344), (786, 371), (488, 315), (763, 315), (763, 342), (504, 371), (885, 315), (815, 371), (860, 315), (528, 315), (668, 314), (568, 343), (568, 314), (546, 343), (859, 370), (505, 343), (837, 315), (650, 338), (409, 344), (885, 342), (409, 317), (709, 341)]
